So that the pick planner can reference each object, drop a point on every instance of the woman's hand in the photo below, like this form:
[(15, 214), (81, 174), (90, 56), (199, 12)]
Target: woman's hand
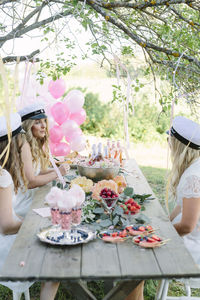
[(64, 168)]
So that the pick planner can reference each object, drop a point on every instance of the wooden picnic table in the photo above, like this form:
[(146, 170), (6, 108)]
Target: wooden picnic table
[(97, 260)]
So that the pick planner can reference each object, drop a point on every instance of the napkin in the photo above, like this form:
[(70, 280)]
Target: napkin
[(44, 212)]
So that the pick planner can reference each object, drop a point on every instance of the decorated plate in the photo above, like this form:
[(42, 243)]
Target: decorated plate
[(140, 229), (56, 236), (150, 241), (113, 236)]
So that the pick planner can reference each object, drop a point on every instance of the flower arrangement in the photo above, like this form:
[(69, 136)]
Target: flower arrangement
[(85, 183), (121, 183)]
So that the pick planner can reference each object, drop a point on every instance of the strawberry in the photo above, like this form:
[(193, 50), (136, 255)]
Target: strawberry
[(156, 238), (126, 212), (130, 200), (133, 209), (105, 234), (137, 240), (141, 228), (123, 233), (150, 240), (114, 234)]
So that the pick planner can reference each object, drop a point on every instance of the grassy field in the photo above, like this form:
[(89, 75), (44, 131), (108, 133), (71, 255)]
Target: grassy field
[(156, 175)]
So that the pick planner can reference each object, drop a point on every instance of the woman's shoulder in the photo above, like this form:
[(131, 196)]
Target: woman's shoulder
[(5, 178), (193, 169)]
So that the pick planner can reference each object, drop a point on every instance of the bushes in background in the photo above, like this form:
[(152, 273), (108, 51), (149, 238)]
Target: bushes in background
[(106, 120)]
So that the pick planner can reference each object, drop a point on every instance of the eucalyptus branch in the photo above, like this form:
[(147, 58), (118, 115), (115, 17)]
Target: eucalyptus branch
[(29, 57)]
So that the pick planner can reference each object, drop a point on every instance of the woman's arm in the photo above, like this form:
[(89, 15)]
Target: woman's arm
[(175, 212), (190, 216), (8, 225), (39, 180)]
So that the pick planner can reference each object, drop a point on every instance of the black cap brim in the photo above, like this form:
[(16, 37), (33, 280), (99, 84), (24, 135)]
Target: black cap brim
[(38, 117)]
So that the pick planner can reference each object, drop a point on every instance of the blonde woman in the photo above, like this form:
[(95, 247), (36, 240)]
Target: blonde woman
[(184, 141), (9, 222), (35, 156)]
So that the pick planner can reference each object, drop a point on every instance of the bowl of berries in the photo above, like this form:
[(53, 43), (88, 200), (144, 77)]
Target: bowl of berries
[(108, 198)]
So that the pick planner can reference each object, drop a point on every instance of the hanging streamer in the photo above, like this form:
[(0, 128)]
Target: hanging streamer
[(6, 111), (56, 169), (125, 102)]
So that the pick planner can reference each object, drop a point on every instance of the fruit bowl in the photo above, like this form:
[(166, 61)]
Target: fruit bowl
[(100, 173)]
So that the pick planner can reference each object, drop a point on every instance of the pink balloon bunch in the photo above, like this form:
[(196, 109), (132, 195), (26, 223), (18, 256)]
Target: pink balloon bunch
[(65, 118)]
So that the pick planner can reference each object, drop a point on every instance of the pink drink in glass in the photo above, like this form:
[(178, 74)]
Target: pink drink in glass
[(76, 215), (65, 219), (55, 215)]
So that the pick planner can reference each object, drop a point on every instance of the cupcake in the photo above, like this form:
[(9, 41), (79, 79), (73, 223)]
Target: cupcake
[(51, 198), (79, 195), (65, 204)]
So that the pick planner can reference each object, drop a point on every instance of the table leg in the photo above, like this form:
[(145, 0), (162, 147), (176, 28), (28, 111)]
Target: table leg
[(79, 290), (122, 290), (108, 285)]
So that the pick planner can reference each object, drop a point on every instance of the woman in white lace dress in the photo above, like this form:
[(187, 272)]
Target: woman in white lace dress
[(184, 142), (9, 221), (35, 156)]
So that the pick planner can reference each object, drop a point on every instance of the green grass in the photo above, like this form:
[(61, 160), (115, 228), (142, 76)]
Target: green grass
[(157, 180)]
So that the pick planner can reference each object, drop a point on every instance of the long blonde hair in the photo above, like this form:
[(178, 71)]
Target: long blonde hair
[(182, 157), (14, 164), (39, 147)]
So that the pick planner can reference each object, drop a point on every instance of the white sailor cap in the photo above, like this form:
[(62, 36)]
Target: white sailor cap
[(186, 131), (15, 126), (34, 111)]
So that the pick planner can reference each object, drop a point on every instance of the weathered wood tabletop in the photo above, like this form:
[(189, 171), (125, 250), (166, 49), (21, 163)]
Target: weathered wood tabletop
[(98, 260)]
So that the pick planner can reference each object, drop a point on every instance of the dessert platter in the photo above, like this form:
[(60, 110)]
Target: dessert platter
[(114, 236), (150, 241), (55, 235)]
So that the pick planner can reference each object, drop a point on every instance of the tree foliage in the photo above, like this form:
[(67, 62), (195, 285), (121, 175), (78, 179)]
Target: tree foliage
[(166, 31)]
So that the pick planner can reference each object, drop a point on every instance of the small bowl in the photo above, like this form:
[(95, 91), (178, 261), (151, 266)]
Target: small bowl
[(97, 174)]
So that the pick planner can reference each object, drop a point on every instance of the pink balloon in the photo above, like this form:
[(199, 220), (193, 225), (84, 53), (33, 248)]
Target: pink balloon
[(73, 134), (78, 144), (57, 88), (68, 127), (61, 149), (56, 134), (74, 100), (79, 117), (60, 112)]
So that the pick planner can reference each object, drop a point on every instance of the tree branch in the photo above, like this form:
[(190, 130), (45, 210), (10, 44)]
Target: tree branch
[(21, 58), (141, 5), (138, 40), (17, 33), (2, 2)]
